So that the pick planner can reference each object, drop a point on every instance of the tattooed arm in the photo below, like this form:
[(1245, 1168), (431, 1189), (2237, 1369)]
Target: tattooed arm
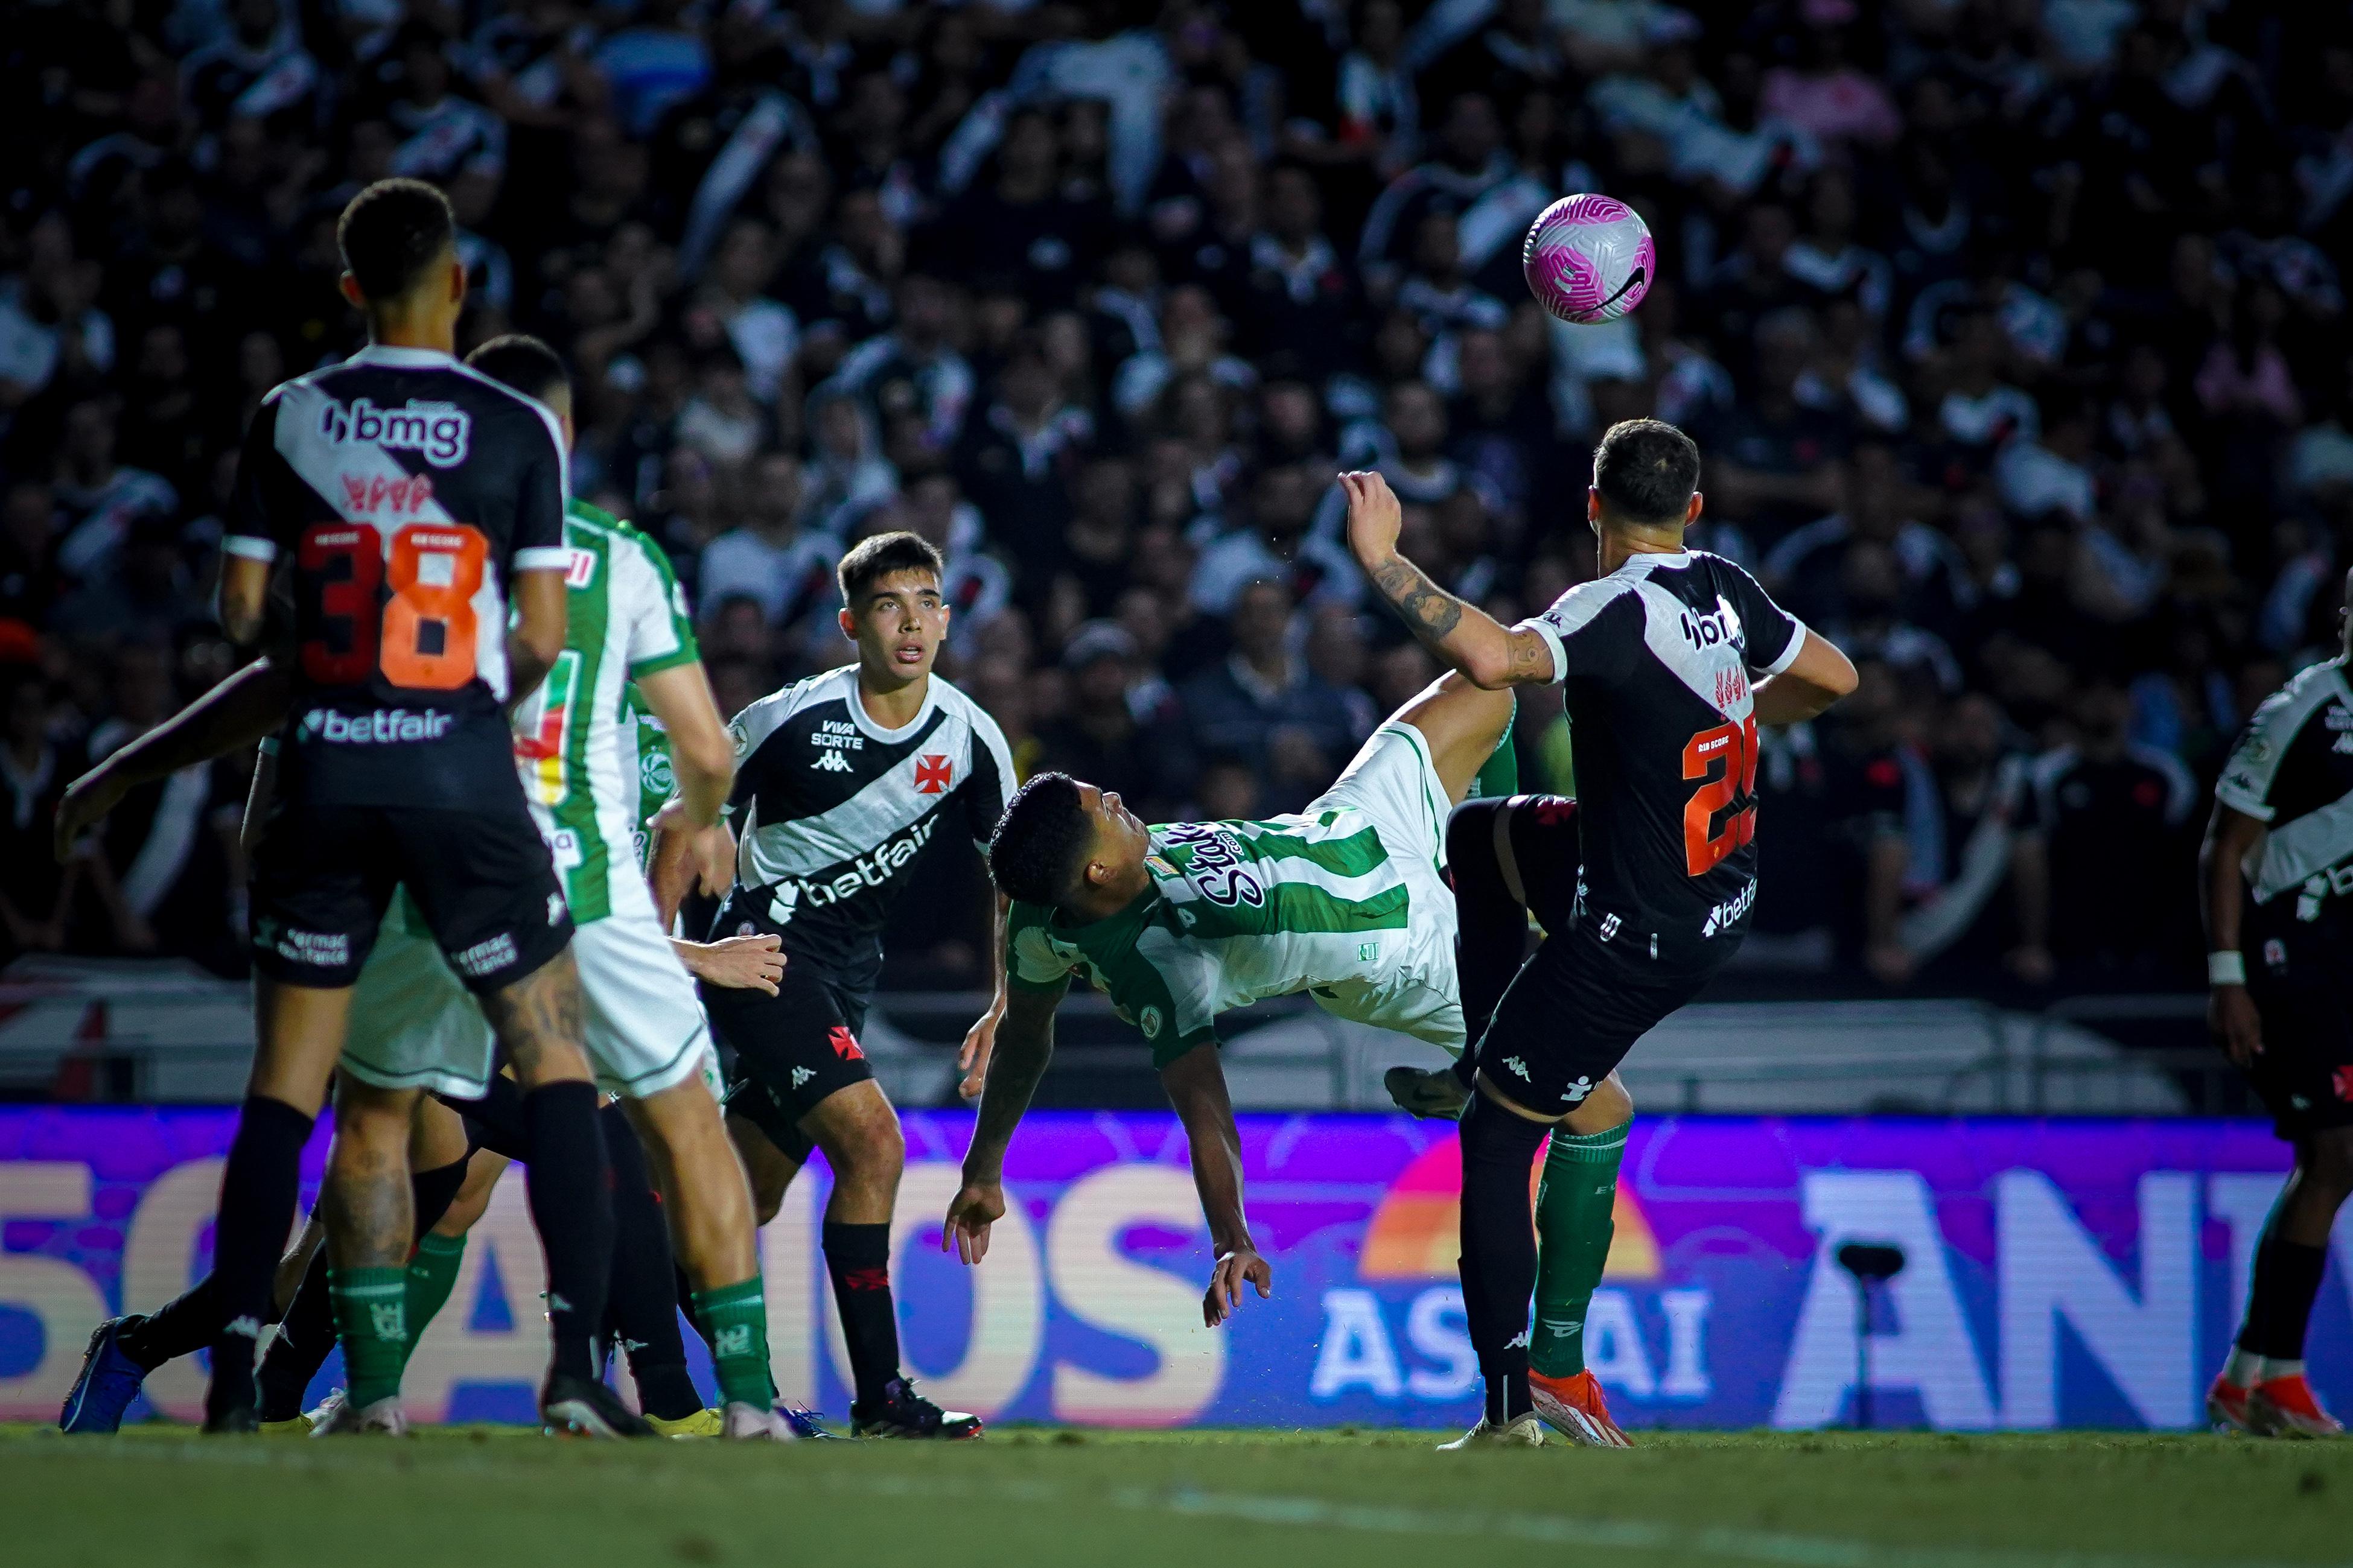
[(1490, 654)]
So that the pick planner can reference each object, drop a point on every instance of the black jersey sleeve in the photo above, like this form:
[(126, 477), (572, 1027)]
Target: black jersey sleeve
[(1593, 631), (539, 507), (1774, 635), (990, 783), (262, 516)]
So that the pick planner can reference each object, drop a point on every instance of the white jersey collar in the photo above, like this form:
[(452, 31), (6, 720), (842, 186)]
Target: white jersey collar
[(393, 358)]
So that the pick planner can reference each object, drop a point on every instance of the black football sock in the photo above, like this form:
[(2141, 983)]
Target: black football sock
[(858, 1258), (1499, 1248), (181, 1326), (641, 1307), (260, 1185), (569, 1185), (1490, 923), (307, 1332), (2279, 1303)]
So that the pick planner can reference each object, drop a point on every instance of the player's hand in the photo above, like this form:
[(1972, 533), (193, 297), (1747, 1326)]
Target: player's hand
[(713, 858), (1225, 1294), (86, 801), (977, 1206), (753, 963), (2232, 1019), (979, 1045), (1375, 516)]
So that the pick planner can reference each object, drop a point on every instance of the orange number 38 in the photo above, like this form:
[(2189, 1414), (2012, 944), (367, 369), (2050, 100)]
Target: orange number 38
[(422, 635), (1731, 748)]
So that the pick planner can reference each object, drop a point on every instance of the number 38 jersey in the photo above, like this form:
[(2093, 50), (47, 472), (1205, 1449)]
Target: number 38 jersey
[(1657, 659), (407, 490)]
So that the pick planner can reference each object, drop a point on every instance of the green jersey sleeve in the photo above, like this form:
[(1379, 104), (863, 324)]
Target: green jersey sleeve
[(660, 634)]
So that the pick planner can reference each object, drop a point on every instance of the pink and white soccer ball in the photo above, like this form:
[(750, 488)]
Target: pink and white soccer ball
[(1589, 258)]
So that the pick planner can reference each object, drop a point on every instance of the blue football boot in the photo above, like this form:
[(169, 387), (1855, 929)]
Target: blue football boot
[(109, 1381)]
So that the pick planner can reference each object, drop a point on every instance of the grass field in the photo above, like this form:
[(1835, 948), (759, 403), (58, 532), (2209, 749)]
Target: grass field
[(494, 1495)]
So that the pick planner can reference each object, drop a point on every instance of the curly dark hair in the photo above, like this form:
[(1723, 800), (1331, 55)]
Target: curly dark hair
[(1041, 841)]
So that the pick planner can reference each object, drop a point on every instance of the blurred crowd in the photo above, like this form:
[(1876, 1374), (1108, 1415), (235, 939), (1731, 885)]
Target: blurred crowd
[(2010, 329)]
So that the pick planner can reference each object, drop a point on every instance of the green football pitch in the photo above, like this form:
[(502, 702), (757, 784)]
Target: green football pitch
[(468, 1495)]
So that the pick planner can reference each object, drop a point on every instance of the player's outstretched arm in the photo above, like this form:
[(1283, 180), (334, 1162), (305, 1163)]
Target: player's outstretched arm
[(1025, 1044), (1196, 1088), (980, 1040), (1490, 654), (238, 711), (1819, 676), (2231, 1013)]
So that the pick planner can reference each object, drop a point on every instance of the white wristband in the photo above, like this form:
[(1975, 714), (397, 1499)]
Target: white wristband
[(2226, 969)]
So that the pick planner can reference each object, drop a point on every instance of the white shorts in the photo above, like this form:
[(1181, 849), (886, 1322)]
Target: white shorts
[(1415, 990), (414, 1025)]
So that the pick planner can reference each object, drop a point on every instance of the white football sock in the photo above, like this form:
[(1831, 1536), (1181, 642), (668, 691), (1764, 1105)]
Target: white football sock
[(2276, 1370), (2244, 1369)]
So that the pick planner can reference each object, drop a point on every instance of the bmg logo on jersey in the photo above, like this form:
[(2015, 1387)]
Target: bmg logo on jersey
[(439, 430)]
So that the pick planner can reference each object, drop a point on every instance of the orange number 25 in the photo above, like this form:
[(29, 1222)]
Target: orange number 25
[(1731, 748)]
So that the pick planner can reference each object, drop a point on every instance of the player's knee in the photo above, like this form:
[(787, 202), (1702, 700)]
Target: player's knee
[(863, 1139), (1608, 1107)]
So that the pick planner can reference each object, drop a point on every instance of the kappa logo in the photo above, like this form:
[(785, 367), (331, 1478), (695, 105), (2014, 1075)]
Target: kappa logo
[(441, 431), (1609, 927), (844, 1043), (1517, 1066), (933, 775), (801, 1076), (556, 908), (829, 763), (1518, 1342)]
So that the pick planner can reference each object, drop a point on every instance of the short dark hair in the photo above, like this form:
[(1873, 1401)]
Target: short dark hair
[(1041, 841), (522, 362), (1646, 470), (871, 560), (391, 233)]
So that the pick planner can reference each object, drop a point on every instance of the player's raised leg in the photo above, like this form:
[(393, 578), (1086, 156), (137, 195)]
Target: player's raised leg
[(1462, 725)]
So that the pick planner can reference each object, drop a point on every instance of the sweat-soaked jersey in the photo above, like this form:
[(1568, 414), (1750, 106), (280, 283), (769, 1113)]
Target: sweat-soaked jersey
[(407, 489), (1657, 658)]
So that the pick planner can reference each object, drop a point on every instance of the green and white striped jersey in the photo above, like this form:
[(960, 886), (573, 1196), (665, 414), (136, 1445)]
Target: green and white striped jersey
[(1238, 912), (646, 740), (576, 751)]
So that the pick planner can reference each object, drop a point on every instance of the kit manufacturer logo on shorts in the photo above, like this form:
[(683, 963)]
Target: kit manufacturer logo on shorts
[(441, 431)]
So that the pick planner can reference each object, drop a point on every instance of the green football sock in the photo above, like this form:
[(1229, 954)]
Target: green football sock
[(1500, 775), (735, 1318), (1575, 1221), (372, 1322), (432, 1273)]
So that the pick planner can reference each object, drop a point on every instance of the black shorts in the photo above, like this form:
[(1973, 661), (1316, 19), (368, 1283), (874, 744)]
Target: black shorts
[(322, 874), (1576, 1008), (792, 1049), (2296, 975)]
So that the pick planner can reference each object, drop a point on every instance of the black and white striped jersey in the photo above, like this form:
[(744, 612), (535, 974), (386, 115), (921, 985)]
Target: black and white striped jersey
[(830, 809), (407, 491), (1657, 658), (2293, 770)]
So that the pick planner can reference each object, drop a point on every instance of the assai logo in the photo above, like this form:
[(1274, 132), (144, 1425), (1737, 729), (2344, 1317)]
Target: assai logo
[(441, 431)]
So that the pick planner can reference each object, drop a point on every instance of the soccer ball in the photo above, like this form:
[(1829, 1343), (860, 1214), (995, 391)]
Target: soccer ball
[(1589, 258)]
